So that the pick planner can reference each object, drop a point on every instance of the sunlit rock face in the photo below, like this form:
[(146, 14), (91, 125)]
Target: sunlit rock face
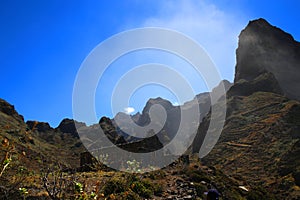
[(266, 48)]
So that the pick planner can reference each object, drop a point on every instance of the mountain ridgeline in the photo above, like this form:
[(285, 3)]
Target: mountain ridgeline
[(260, 139), (259, 147)]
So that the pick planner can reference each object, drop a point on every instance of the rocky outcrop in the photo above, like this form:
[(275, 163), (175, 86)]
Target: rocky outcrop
[(39, 126), (120, 129), (110, 131), (266, 48), (87, 162), (68, 126), (134, 145), (260, 138), (218, 90), (9, 109), (265, 82)]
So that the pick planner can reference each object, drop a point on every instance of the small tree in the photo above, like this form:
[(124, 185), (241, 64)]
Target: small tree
[(54, 182), (8, 185)]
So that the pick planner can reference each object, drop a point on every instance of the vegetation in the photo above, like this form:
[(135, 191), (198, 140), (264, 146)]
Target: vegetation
[(39, 162)]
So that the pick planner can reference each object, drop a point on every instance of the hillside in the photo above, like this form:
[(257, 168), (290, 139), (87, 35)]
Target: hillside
[(29, 149), (256, 157), (260, 140), (258, 143)]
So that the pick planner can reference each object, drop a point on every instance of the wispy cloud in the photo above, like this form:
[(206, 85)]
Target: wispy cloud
[(128, 110), (214, 29)]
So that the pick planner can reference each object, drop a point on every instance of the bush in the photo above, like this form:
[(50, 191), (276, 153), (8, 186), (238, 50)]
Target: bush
[(154, 175), (157, 189), (196, 177), (141, 188), (113, 186)]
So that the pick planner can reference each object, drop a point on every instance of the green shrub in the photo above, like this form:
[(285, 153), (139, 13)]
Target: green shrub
[(78, 187), (113, 186), (141, 188), (157, 189), (154, 175), (196, 177)]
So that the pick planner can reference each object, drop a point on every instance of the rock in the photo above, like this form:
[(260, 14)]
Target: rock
[(172, 122), (68, 126), (266, 48), (9, 109), (110, 131), (265, 82), (87, 162), (39, 126), (31, 140), (190, 191), (218, 90), (117, 136), (244, 188), (188, 197), (290, 162)]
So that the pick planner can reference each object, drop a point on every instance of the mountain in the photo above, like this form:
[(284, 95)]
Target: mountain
[(266, 48), (259, 144), (8, 112), (31, 148), (124, 126), (256, 157), (37, 140)]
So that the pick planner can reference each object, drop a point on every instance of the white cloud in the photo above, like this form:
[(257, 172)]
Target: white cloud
[(214, 29), (128, 110), (175, 103)]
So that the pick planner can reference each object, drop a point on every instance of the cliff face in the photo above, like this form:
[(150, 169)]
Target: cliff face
[(9, 110), (266, 48), (259, 142)]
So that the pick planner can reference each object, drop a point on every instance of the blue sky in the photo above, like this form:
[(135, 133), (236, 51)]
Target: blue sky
[(43, 44)]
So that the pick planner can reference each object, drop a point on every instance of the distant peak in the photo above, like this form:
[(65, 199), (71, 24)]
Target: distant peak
[(67, 120), (157, 99), (260, 22), (39, 126)]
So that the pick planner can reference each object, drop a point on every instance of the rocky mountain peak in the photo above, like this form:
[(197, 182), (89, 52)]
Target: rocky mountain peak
[(160, 101), (39, 126), (9, 109), (68, 126), (266, 48)]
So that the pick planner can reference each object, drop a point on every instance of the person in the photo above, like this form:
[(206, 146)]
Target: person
[(212, 194)]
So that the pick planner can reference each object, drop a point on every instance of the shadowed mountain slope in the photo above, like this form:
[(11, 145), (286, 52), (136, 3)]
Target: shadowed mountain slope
[(259, 144), (266, 48)]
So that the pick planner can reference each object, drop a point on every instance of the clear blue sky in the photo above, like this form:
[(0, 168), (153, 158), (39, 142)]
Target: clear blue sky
[(43, 43)]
